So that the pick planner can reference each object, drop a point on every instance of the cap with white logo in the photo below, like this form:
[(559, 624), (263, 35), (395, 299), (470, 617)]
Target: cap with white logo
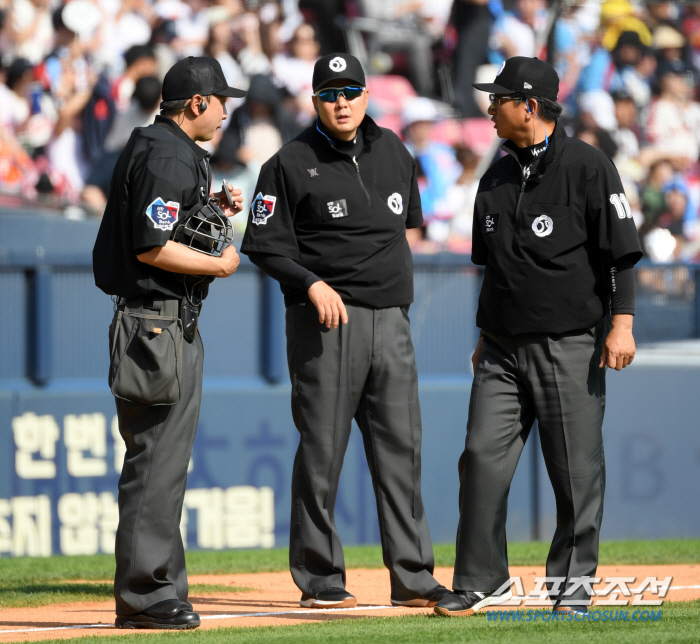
[(335, 67), (522, 75)]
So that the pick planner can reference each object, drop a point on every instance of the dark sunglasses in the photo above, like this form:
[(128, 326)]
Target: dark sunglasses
[(332, 94)]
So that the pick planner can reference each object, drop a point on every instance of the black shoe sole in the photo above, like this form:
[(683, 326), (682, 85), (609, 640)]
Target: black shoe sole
[(125, 622), (415, 603), (312, 602)]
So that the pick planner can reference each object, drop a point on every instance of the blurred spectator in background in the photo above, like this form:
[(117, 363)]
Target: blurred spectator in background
[(625, 68), (691, 30), (679, 219), (472, 20), (66, 47), (652, 196), (673, 122), (29, 31), (454, 229), (437, 166), (124, 24), (16, 166), (259, 127), (19, 79), (162, 37), (65, 152), (597, 121), (571, 52), (516, 34), (257, 130), (262, 43), (139, 61), (219, 46), (328, 17), (618, 16), (191, 24), (31, 115), (626, 130), (662, 12), (141, 112), (294, 70), (669, 43), (677, 209)]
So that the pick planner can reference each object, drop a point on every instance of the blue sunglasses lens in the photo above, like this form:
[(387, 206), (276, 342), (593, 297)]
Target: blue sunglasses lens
[(332, 94)]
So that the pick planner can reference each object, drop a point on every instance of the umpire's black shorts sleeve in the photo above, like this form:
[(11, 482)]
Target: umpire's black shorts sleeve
[(270, 226), (611, 215)]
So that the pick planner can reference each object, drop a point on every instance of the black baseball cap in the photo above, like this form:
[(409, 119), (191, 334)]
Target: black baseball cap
[(335, 66), (197, 75), (522, 75)]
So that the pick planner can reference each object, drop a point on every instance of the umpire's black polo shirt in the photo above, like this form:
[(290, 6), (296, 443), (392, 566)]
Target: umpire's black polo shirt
[(342, 221), (160, 177), (548, 241)]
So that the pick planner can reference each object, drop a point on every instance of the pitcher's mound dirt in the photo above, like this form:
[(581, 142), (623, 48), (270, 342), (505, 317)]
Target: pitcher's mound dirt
[(275, 602)]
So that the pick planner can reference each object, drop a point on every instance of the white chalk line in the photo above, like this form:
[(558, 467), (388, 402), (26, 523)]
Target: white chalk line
[(316, 611), (289, 612), (58, 628)]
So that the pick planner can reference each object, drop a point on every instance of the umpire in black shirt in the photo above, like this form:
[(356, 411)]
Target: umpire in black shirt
[(160, 186), (329, 221), (554, 230)]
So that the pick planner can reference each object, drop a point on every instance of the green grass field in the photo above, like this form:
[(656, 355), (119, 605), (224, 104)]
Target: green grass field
[(679, 623), (35, 582)]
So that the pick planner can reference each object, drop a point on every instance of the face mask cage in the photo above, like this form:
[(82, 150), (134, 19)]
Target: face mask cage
[(207, 231)]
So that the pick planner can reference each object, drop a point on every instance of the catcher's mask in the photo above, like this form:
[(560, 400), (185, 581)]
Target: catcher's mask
[(207, 230)]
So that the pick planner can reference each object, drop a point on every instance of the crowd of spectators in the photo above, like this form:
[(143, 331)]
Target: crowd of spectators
[(76, 77)]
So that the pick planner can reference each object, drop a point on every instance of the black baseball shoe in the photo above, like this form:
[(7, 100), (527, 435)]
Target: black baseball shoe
[(462, 603), (170, 614), (428, 600), (328, 598)]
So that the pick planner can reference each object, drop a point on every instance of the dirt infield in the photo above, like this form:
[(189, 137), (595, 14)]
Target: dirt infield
[(275, 601)]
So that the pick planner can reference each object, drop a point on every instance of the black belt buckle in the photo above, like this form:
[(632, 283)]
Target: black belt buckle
[(189, 314)]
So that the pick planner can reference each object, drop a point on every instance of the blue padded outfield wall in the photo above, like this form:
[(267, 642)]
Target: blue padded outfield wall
[(61, 452)]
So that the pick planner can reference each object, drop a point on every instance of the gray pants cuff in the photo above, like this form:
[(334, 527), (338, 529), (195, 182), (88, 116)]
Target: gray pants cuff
[(478, 584)]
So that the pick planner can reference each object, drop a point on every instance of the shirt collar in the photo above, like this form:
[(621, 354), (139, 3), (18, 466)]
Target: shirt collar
[(555, 141), (171, 126), (370, 132)]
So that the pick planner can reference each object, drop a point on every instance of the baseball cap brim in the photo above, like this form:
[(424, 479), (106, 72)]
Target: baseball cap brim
[(493, 88), (334, 81), (232, 92)]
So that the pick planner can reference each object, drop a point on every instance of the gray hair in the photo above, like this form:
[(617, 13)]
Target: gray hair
[(547, 109)]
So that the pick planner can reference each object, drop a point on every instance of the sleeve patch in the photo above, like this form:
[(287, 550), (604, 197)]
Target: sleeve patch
[(163, 214), (262, 208), (622, 206)]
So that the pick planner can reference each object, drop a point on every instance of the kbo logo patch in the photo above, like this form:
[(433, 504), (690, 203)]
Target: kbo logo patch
[(543, 226), (338, 64), (395, 203), (163, 214), (262, 208)]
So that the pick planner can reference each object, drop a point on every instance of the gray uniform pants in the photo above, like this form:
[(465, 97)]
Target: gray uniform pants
[(556, 379), (364, 370), (149, 551)]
